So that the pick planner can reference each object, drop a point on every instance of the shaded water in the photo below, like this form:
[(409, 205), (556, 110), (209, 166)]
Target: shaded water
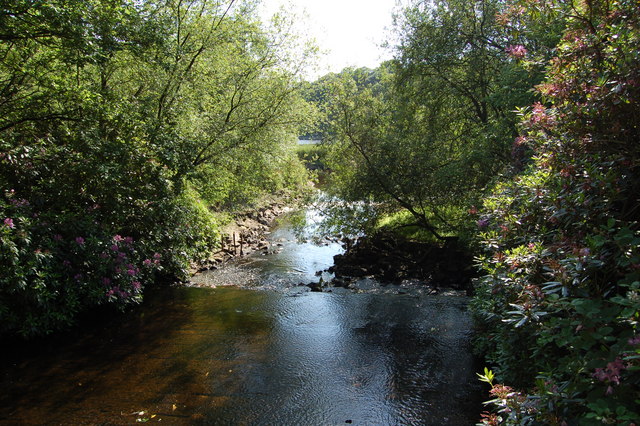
[(231, 355)]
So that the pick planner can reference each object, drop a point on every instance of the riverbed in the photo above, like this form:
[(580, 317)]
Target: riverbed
[(247, 344)]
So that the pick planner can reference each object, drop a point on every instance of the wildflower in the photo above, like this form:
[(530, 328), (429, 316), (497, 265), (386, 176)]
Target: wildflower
[(136, 285), (117, 238), (57, 237), (147, 262), (611, 373), (482, 223), (634, 340), (157, 256), (131, 272), (517, 51), (8, 222), (501, 391), (473, 210), (114, 247), (80, 241), (128, 240)]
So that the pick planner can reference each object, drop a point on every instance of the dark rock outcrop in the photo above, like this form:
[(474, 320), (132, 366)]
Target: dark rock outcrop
[(392, 259)]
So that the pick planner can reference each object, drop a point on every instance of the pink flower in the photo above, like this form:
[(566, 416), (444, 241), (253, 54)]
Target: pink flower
[(634, 340), (482, 223), (136, 285), (157, 256), (540, 116), (80, 241), (131, 272), (117, 238), (517, 51), (520, 140), (611, 373), (147, 262), (114, 247), (8, 222), (128, 240)]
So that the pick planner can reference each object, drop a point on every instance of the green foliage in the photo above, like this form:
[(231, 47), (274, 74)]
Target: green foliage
[(558, 308), (426, 132), (117, 121)]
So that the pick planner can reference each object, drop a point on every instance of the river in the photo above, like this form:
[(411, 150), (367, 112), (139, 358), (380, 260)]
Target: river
[(254, 347)]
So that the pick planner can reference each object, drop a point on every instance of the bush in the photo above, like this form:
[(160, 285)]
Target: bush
[(87, 227), (558, 306)]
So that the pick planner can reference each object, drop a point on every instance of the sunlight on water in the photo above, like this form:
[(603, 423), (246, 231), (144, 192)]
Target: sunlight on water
[(235, 353)]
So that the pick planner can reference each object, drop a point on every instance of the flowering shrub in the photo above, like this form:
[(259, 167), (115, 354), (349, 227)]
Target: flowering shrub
[(558, 306), (77, 232)]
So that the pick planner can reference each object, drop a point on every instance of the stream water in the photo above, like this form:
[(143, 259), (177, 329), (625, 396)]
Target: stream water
[(253, 347)]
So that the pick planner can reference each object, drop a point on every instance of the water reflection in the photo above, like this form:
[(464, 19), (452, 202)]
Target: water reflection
[(230, 355), (293, 258), (233, 356)]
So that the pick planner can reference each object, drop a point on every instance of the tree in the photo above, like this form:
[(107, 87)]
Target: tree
[(112, 113), (440, 124)]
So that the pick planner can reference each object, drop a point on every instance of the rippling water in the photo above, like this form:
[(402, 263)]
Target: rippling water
[(235, 356), (230, 355)]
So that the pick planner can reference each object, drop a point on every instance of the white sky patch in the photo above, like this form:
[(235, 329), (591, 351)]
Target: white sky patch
[(349, 31)]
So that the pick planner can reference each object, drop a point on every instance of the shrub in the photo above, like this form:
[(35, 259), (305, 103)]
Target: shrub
[(558, 306)]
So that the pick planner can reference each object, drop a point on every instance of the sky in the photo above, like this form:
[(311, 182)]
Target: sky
[(350, 31)]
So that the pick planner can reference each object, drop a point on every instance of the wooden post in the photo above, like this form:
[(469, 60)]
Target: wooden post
[(234, 243), (241, 251)]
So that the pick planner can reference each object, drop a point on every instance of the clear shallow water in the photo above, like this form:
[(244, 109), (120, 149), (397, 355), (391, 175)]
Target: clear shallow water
[(293, 258), (266, 353), (237, 356)]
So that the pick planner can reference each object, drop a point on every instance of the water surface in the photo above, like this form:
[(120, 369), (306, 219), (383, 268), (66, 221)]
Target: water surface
[(254, 347), (237, 356)]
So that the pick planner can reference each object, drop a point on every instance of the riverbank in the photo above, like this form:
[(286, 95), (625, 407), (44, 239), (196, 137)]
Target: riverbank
[(246, 232), (392, 259), (274, 256)]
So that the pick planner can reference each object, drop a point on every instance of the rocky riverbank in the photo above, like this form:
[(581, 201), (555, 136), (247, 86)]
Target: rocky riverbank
[(391, 259), (247, 231)]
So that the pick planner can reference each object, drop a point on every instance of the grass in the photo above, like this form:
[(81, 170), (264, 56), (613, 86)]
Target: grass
[(400, 222)]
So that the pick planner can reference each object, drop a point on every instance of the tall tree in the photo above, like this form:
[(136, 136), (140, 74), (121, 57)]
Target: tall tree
[(440, 124)]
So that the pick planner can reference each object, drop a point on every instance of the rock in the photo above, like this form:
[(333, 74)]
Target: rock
[(315, 286), (391, 259)]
